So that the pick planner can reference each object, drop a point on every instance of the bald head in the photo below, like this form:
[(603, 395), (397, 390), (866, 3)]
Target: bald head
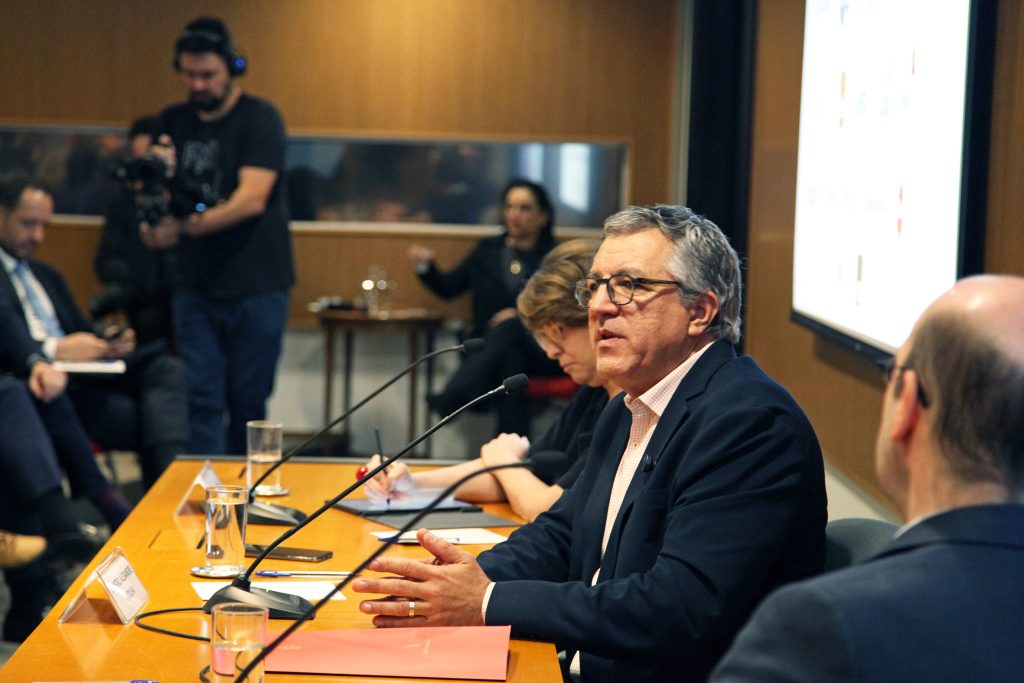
[(967, 350), (992, 306)]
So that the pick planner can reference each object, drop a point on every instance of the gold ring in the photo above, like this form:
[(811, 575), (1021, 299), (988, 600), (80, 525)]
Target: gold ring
[(412, 609)]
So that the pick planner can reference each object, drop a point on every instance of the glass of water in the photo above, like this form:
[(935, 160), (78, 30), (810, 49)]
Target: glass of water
[(264, 441), (225, 531), (239, 632)]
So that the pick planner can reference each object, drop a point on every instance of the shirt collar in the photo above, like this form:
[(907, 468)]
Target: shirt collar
[(10, 263), (656, 398)]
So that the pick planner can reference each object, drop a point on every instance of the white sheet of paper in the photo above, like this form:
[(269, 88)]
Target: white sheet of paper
[(467, 536), (311, 590), (94, 367)]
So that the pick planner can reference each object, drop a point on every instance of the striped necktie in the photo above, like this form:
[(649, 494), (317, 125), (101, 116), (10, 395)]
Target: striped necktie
[(41, 311)]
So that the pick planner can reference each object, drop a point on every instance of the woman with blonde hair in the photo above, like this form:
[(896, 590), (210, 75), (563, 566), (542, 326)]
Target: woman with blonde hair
[(549, 310)]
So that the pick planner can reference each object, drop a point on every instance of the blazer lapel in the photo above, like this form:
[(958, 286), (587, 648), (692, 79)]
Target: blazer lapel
[(595, 510), (693, 385), (8, 289)]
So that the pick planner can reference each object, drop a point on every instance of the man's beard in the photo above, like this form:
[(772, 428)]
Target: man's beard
[(213, 103)]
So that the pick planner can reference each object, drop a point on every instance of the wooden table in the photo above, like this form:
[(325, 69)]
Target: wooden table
[(162, 548), (413, 321)]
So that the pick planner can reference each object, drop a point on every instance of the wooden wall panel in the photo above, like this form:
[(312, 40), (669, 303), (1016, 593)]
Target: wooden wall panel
[(329, 262), (519, 68), (1004, 248), (840, 391)]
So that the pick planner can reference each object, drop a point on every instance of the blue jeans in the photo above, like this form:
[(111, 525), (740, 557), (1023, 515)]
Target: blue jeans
[(230, 350)]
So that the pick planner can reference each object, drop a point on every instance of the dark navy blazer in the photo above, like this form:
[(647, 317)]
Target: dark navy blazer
[(944, 602), (733, 507), (68, 313)]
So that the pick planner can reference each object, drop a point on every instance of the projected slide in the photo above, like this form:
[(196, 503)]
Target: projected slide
[(879, 163)]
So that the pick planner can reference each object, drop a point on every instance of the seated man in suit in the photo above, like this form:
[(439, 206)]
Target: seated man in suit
[(32, 497), (39, 427), (142, 410), (943, 602), (703, 490)]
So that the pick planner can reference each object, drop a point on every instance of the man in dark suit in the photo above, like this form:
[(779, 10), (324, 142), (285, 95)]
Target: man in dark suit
[(32, 498), (943, 602), (703, 489), (143, 409)]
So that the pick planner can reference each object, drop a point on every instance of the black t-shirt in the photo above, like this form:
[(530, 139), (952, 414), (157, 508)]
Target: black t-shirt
[(254, 256), (572, 431)]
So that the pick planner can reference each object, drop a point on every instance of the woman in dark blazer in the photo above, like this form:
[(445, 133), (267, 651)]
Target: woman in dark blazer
[(495, 272)]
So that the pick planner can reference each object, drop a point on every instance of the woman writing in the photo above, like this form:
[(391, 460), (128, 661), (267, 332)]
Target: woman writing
[(548, 310)]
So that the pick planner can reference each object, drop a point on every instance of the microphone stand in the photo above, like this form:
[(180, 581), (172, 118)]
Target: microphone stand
[(286, 606), (411, 524), (260, 512)]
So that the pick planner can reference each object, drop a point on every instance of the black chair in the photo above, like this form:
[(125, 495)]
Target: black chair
[(854, 539)]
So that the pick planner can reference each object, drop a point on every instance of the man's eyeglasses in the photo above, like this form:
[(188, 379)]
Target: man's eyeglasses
[(620, 287), (890, 369)]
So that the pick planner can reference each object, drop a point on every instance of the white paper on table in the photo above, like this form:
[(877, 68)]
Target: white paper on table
[(311, 590), (92, 367), (467, 536)]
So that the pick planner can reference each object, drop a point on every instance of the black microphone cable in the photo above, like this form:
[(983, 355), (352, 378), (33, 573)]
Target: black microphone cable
[(392, 540), (241, 590), (469, 346)]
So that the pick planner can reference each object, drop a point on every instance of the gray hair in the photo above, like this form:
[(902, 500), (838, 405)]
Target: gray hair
[(702, 258)]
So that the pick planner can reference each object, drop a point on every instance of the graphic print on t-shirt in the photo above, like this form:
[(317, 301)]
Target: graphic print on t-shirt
[(200, 160)]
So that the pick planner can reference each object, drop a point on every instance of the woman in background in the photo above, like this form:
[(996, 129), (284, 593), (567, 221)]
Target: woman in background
[(495, 272), (549, 310)]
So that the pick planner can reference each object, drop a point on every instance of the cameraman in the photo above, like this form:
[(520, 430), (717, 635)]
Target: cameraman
[(140, 280), (234, 252)]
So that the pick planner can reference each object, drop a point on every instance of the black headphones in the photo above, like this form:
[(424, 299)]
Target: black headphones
[(208, 41)]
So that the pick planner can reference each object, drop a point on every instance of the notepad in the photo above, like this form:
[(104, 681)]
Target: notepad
[(458, 536), (400, 505)]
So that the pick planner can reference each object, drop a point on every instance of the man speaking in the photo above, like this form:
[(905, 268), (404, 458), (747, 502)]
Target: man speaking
[(703, 488), (226, 151)]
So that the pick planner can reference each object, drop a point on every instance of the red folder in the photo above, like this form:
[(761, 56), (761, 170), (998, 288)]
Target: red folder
[(465, 652)]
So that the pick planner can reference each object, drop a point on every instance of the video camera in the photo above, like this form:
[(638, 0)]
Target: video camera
[(156, 195)]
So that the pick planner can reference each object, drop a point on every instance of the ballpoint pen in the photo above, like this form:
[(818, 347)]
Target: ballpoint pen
[(274, 573)]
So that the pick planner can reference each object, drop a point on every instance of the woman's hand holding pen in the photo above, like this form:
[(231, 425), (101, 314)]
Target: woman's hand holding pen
[(394, 479)]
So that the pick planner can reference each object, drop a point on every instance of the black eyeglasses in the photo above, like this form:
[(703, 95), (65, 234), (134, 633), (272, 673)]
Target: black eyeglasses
[(620, 287), (890, 369)]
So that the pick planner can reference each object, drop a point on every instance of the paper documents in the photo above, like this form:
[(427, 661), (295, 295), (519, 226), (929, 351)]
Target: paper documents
[(473, 536), (93, 367)]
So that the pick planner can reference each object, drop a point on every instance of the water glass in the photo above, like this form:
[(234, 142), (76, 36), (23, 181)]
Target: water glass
[(239, 632), (225, 529), (264, 440)]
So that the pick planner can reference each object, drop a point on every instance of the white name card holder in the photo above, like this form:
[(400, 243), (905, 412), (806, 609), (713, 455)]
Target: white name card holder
[(122, 589), (194, 501)]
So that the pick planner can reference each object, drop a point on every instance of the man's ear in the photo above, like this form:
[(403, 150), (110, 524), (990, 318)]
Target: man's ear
[(907, 405), (703, 312)]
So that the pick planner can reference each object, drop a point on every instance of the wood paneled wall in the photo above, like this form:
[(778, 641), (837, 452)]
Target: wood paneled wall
[(554, 69), (524, 67), (330, 261), (841, 392)]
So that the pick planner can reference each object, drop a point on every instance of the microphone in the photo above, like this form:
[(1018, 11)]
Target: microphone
[(285, 606), (259, 512), (648, 462), (542, 460)]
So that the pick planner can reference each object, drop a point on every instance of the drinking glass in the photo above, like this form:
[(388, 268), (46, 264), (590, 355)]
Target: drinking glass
[(264, 441)]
